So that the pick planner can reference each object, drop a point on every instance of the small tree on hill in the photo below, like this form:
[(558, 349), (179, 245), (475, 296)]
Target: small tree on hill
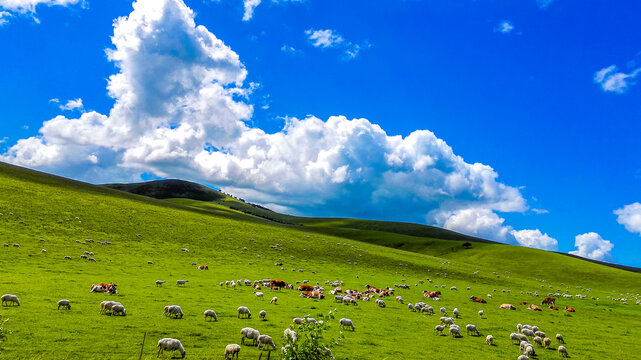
[(467, 245)]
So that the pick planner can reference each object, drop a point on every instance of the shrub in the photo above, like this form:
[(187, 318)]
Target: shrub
[(310, 343)]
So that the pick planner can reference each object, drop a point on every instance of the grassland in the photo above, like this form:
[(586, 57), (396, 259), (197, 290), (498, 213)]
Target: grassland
[(599, 329)]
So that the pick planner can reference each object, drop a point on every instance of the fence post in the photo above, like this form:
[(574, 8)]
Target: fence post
[(143, 344)]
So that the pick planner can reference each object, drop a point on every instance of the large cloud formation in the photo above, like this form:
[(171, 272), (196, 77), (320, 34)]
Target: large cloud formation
[(592, 246), (630, 217), (180, 105)]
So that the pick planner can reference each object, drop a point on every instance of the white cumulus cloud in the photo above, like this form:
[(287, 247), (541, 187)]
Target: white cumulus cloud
[(4, 17), (612, 80), (592, 246), (180, 106), (535, 239), (324, 38), (630, 217)]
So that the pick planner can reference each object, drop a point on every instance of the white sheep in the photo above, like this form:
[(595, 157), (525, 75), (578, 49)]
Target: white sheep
[(298, 320), (210, 314), (265, 340), (173, 311), (170, 344), (455, 312), (472, 329), (540, 334), (455, 331), (528, 332), (262, 314), (523, 357), (481, 314), (118, 309), (273, 300), (546, 342), (257, 293), (489, 339), (439, 329), (8, 298), (523, 344), (410, 306), (160, 282), (529, 350), (443, 311), (559, 338), (244, 310), (181, 282), (380, 303), (249, 333), (446, 320), (231, 350), (344, 322), (64, 303), (563, 351), (538, 341), (106, 306), (311, 320), (399, 299), (517, 337)]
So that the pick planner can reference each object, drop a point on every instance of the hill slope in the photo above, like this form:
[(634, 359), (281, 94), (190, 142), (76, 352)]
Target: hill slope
[(59, 211)]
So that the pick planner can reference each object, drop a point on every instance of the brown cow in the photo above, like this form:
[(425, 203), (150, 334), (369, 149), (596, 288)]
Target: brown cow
[(478, 300), (548, 301), (305, 288), (534, 307), (507, 306), (569, 309)]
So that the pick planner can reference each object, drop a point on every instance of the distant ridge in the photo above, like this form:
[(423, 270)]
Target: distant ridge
[(167, 189)]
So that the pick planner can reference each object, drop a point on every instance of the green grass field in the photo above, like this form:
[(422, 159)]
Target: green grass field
[(599, 329)]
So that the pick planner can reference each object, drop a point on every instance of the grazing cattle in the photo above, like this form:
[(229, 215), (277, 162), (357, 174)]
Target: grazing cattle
[(277, 283), (507, 306), (569, 309), (554, 307), (305, 288), (478, 300), (548, 301), (203, 267), (523, 303), (103, 287), (534, 307), (431, 294)]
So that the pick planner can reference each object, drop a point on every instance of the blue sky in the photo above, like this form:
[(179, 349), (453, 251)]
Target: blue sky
[(312, 107)]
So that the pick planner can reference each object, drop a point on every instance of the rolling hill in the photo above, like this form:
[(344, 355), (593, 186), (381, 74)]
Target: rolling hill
[(137, 240)]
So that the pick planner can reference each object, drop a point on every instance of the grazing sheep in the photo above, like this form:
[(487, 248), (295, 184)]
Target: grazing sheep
[(516, 337), (344, 322), (106, 306), (455, 331), (266, 340), (563, 351), (244, 310), (231, 350), (298, 320), (8, 298), (443, 311), (399, 299), (481, 314), (529, 350), (427, 309), (523, 344), (380, 303), (410, 307), (173, 311), (170, 344), (181, 282), (16, 245), (211, 314), (159, 282), (67, 257), (439, 329), (547, 341), (523, 357), (446, 320), (472, 329), (118, 309), (559, 339), (64, 303), (258, 294), (528, 332), (538, 341), (455, 312), (489, 339), (262, 314), (273, 300), (311, 320), (540, 334), (249, 333)]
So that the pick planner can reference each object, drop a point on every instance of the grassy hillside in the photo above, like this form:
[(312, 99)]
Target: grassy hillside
[(61, 211)]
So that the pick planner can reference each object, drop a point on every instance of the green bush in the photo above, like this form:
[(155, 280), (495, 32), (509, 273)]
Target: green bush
[(310, 343)]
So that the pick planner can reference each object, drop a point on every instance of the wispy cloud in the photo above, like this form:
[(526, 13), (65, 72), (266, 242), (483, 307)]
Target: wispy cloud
[(28, 7), (72, 105), (4, 17), (504, 27), (612, 80), (329, 38), (544, 4), (251, 5), (290, 50)]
